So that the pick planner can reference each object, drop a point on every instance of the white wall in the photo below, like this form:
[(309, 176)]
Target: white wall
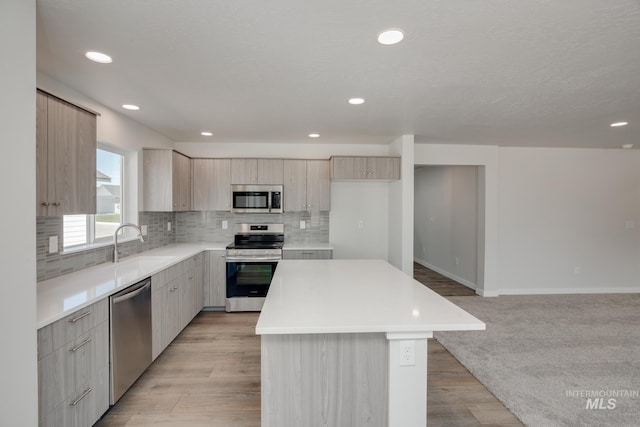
[(445, 220), (563, 220), (359, 220), (401, 207), (18, 359)]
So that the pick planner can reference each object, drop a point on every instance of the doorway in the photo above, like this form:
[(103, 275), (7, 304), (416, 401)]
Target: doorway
[(449, 221)]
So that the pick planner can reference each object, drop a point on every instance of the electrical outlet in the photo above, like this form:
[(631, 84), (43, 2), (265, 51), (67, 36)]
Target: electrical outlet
[(169, 226), (143, 230), (361, 224), (225, 224), (303, 224), (53, 244), (407, 353)]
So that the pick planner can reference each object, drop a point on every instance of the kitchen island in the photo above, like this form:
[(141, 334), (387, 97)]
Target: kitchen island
[(344, 343)]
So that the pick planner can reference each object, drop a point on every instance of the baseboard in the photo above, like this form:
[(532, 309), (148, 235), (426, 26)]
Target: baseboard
[(559, 291), (445, 273)]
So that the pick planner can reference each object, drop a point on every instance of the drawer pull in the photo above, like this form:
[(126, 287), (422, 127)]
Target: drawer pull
[(75, 319), (79, 346), (82, 396), (308, 253)]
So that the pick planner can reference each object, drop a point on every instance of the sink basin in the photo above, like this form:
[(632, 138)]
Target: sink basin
[(143, 262)]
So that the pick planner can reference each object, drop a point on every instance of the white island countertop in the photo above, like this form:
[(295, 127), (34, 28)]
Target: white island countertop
[(354, 296), (65, 294)]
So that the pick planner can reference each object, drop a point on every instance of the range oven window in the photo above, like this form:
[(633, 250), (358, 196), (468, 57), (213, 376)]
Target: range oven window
[(249, 279), (251, 199)]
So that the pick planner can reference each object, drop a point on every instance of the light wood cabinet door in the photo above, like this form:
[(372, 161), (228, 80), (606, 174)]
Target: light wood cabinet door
[(42, 158), (295, 185), (270, 171), (181, 182), (216, 286), (157, 178), (348, 168), (318, 185), (244, 171), (383, 168), (358, 168), (212, 184), (65, 158), (166, 176)]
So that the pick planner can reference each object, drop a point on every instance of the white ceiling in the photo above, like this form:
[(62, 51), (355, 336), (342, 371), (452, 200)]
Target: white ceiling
[(505, 72)]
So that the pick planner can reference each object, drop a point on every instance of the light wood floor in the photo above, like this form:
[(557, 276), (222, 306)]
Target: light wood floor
[(210, 376)]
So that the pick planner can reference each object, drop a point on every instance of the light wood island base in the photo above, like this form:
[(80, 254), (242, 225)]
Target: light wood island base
[(344, 342)]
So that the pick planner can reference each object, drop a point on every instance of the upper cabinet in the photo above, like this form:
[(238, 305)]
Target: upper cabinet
[(356, 168), (307, 185), (257, 171), (166, 180), (211, 184), (65, 158)]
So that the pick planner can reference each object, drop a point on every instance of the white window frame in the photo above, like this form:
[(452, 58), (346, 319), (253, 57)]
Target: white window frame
[(128, 205)]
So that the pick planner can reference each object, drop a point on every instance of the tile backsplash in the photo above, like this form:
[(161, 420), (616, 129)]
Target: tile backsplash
[(186, 227), (207, 226)]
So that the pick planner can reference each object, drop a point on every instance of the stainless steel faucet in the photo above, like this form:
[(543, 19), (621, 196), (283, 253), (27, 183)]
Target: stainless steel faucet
[(115, 238)]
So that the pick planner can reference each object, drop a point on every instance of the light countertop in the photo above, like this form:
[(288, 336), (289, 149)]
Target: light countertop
[(307, 246), (351, 296), (63, 295)]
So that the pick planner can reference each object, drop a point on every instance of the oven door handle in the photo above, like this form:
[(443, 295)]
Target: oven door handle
[(256, 259)]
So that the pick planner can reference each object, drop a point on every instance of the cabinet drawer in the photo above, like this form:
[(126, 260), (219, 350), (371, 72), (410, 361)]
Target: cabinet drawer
[(65, 372), (83, 408), (67, 329), (308, 254)]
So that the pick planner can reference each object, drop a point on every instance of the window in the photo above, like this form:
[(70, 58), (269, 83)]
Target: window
[(87, 229)]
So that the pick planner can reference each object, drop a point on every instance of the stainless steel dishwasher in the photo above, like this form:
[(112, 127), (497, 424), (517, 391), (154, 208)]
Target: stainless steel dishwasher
[(130, 333)]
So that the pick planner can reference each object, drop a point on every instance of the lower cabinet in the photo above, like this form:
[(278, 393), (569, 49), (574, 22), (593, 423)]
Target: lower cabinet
[(73, 353), (307, 254), (216, 279), (177, 296), (73, 368)]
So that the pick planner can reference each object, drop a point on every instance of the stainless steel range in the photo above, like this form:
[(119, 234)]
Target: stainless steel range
[(251, 262)]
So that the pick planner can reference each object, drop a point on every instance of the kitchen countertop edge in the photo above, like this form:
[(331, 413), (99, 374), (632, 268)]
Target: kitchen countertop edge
[(63, 295)]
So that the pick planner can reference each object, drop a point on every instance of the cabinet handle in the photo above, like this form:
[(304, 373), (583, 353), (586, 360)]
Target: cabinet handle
[(82, 396), (56, 203), (369, 173), (79, 346), (75, 319), (175, 288), (46, 204)]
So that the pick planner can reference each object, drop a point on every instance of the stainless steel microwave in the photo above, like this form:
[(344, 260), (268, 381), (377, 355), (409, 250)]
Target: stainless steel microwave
[(256, 198)]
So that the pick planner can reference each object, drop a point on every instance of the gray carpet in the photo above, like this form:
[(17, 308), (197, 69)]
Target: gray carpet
[(545, 356)]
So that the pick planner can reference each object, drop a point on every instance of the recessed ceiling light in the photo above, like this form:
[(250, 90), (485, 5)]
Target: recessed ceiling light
[(206, 134), (99, 57), (356, 101), (389, 37), (627, 145), (130, 107), (314, 135), (618, 124)]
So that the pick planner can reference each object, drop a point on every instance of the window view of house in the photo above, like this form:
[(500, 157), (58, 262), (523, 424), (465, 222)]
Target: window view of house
[(85, 229)]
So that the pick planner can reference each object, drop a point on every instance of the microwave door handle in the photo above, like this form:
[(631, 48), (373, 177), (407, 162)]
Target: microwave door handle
[(269, 199)]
